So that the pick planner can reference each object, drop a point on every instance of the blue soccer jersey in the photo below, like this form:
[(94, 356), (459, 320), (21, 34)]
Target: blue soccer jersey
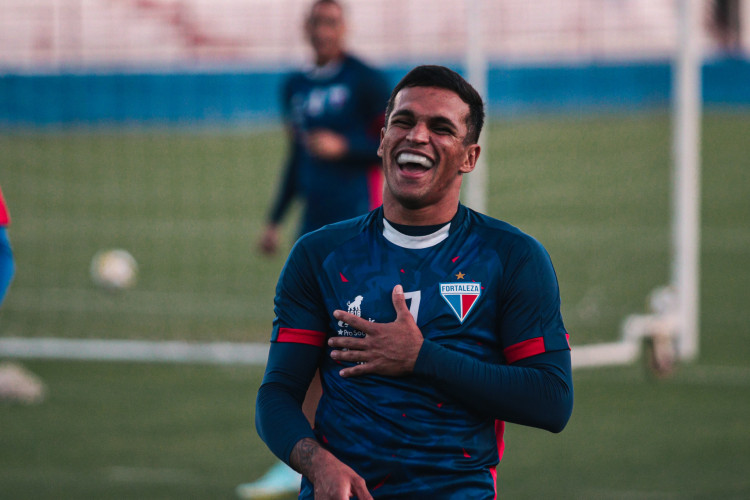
[(348, 98), (479, 290)]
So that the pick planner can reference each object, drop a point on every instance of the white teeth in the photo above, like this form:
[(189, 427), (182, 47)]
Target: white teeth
[(404, 158)]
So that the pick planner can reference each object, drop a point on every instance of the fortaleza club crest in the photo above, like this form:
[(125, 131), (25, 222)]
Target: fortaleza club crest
[(461, 297)]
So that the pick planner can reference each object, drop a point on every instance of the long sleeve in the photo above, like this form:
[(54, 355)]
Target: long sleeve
[(279, 419), (287, 189), (535, 391)]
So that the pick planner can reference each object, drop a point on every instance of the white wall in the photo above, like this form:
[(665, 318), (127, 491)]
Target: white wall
[(173, 33)]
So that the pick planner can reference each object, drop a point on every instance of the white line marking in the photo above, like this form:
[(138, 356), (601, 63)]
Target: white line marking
[(255, 353), (135, 350)]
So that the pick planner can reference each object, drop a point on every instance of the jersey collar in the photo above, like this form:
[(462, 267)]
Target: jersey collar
[(414, 242)]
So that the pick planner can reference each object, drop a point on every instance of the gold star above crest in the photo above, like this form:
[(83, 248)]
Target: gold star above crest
[(460, 275)]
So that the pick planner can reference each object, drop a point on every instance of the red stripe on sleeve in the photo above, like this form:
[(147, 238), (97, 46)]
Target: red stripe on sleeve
[(524, 349), (297, 336)]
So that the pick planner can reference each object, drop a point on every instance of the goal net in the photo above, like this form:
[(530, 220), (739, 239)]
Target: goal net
[(153, 127)]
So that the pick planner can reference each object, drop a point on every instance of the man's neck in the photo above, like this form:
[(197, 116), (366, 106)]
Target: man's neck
[(423, 216), (329, 60)]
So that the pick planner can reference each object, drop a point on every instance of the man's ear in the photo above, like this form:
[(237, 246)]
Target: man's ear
[(470, 162), (380, 146)]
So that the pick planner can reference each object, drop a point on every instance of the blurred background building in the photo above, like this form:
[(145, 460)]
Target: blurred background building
[(169, 34), (93, 48)]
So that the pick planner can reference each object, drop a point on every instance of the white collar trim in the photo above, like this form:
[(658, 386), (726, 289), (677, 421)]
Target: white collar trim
[(414, 242)]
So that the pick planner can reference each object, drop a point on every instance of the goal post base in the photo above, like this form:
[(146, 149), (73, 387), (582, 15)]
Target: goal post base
[(657, 332)]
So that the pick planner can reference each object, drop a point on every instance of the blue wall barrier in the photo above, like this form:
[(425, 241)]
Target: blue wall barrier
[(248, 98), (138, 99)]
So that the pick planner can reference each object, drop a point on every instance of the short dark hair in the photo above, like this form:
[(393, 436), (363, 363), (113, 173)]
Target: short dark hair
[(326, 2), (444, 78)]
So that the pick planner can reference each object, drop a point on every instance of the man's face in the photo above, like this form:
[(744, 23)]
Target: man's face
[(325, 30), (423, 149)]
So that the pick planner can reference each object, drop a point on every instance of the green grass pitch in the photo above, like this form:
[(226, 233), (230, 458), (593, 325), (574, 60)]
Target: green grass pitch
[(189, 206)]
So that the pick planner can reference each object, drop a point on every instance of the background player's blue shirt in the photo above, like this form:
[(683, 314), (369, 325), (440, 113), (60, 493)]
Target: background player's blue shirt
[(348, 99), (484, 296), (7, 264)]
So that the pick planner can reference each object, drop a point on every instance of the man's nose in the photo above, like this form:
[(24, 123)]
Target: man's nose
[(419, 133)]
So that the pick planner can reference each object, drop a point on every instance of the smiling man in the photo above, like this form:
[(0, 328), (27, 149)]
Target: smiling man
[(431, 324)]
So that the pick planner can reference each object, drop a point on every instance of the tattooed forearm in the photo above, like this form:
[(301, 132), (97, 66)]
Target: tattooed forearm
[(302, 454)]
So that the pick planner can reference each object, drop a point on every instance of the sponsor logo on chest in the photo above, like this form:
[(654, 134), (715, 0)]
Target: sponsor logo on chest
[(352, 307)]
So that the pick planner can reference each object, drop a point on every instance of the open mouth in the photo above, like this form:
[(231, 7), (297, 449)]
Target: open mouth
[(413, 162)]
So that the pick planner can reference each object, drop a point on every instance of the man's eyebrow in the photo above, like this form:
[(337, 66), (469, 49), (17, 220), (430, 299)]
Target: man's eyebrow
[(441, 120), (403, 112), (432, 120)]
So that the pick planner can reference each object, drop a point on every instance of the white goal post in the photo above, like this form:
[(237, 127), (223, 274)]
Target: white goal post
[(686, 106), (674, 309), (475, 190)]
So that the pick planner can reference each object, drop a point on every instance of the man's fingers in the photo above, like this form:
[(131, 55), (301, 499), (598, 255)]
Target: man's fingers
[(399, 304), (351, 320), (361, 491), (356, 370), (352, 343)]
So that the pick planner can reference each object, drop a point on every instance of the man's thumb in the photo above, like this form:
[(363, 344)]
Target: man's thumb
[(399, 300)]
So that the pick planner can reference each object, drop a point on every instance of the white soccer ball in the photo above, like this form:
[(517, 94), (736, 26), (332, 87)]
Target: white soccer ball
[(114, 269)]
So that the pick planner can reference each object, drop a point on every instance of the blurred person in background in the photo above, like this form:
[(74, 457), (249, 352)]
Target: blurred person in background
[(726, 25), (17, 384), (333, 113), (7, 266)]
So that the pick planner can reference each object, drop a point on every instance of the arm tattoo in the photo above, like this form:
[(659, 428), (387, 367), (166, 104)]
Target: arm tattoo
[(302, 454)]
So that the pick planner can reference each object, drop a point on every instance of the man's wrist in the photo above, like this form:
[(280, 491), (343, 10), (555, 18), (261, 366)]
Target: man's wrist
[(302, 455)]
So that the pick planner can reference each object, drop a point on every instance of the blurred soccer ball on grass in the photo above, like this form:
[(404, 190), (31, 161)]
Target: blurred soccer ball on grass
[(114, 269)]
